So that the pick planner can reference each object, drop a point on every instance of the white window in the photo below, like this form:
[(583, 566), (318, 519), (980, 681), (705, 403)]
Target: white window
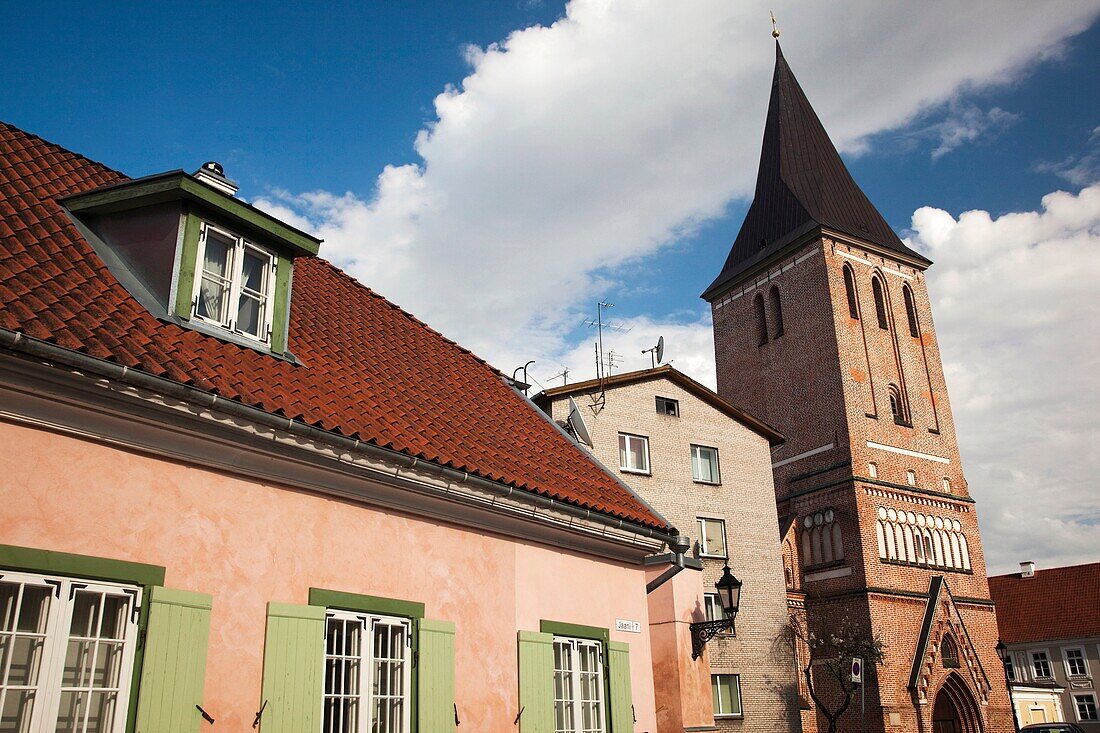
[(1010, 669), (1040, 665), (367, 673), (712, 537), (1085, 705), (234, 283), (1076, 664), (946, 485), (911, 477), (633, 453), (872, 469), (67, 648), (578, 686), (704, 464), (712, 606), (726, 694)]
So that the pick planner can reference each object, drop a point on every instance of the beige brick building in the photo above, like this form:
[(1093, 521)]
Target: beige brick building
[(703, 463)]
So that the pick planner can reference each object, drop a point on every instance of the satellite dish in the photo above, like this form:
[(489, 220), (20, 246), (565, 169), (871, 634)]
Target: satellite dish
[(660, 349), (576, 424)]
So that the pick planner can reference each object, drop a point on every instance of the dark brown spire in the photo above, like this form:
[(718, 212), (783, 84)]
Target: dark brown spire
[(802, 184)]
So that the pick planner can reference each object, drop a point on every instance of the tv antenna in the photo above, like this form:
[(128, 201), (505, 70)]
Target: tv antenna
[(656, 353), (574, 425), (599, 325), (563, 375)]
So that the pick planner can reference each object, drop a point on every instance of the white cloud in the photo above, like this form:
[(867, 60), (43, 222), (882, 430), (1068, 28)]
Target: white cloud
[(966, 123), (1080, 169), (575, 148), (1016, 305)]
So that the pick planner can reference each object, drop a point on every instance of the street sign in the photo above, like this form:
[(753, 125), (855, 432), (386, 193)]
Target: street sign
[(857, 669), (622, 624)]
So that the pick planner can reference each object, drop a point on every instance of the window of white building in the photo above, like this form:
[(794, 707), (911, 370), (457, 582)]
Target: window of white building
[(578, 686), (1040, 665), (704, 464), (712, 537), (1085, 705), (68, 651), (726, 694), (633, 453), (367, 673), (1076, 664)]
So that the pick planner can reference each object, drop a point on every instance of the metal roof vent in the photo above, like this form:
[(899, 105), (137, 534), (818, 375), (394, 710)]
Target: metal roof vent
[(212, 174)]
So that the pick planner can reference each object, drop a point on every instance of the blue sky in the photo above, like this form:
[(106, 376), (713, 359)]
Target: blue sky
[(497, 167)]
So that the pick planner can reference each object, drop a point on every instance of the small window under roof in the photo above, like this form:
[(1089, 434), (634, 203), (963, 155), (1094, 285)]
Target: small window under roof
[(668, 406)]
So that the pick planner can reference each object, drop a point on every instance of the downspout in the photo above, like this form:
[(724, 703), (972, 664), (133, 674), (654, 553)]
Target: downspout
[(679, 545)]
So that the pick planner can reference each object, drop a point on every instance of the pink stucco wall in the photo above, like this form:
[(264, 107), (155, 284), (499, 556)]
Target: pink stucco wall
[(248, 543)]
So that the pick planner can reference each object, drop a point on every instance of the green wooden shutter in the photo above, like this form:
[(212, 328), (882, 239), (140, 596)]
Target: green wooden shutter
[(621, 704), (536, 682), (173, 669), (294, 651), (436, 677)]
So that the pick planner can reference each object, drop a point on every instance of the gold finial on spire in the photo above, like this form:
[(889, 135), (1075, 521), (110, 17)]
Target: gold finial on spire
[(775, 29)]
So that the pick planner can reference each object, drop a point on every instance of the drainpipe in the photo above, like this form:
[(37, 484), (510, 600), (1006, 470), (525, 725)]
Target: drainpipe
[(677, 558)]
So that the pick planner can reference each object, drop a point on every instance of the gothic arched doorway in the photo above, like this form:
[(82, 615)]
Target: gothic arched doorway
[(955, 710)]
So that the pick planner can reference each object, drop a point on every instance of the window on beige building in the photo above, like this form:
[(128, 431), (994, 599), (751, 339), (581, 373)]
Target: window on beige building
[(704, 464), (726, 693), (712, 607), (712, 537), (633, 453), (668, 406)]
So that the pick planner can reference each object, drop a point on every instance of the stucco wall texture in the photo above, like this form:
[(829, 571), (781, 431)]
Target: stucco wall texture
[(745, 500), (248, 543)]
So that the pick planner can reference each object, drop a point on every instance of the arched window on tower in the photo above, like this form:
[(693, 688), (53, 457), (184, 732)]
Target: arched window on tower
[(911, 311), (897, 406), (880, 303), (850, 291), (777, 311), (761, 320), (822, 539)]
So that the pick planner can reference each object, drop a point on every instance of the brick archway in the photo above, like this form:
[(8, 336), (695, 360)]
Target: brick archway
[(955, 710)]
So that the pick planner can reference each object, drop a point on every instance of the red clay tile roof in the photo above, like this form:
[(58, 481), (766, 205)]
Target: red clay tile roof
[(369, 370), (1060, 603)]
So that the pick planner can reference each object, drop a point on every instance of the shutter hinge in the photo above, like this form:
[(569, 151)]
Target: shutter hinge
[(457, 721), (205, 715), (259, 713), (142, 633), (519, 715)]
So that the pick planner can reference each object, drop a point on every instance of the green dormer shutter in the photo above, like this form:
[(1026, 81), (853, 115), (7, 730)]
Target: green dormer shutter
[(435, 710), (536, 682), (294, 649), (621, 705)]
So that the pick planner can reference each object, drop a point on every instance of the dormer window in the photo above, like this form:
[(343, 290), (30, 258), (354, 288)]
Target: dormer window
[(235, 288)]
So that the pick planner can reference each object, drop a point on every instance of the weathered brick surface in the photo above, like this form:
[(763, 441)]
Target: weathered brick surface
[(824, 383), (744, 500)]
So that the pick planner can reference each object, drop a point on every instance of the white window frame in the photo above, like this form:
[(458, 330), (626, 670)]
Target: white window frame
[(1022, 667), (55, 642), (713, 609), (1084, 662), (574, 646), (624, 455), (366, 661), (740, 701), (1031, 664), (235, 271), (1077, 711), (695, 447), (700, 523)]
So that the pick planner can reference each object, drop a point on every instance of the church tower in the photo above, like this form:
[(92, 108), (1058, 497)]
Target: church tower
[(823, 329)]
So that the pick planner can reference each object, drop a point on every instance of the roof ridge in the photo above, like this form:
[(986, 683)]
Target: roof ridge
[(61, 148)]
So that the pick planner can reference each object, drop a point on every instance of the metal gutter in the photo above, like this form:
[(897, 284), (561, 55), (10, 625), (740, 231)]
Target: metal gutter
[(30, 346)]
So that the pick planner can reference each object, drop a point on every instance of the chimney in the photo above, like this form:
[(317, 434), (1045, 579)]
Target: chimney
[(1027, 569), (213, 175)]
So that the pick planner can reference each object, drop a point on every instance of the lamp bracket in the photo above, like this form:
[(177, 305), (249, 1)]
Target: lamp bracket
[(704, 631)]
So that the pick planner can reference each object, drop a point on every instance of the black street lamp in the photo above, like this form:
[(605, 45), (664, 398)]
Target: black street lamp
[(729, 595), (1002, 652)]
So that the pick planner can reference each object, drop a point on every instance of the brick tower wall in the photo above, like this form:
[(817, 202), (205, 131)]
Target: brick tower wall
[(825, 382)]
